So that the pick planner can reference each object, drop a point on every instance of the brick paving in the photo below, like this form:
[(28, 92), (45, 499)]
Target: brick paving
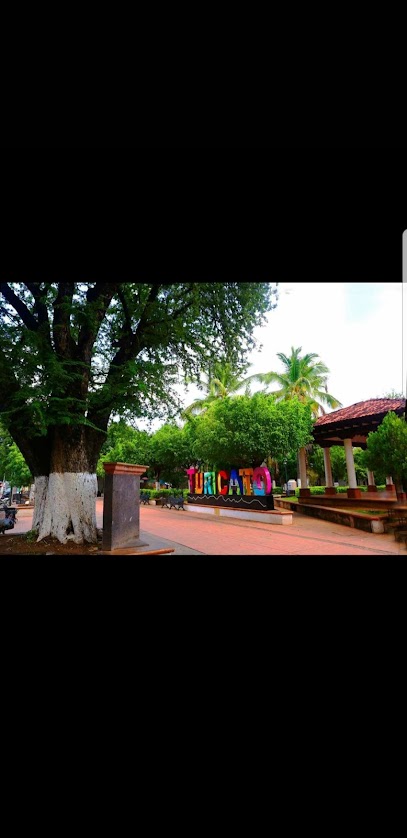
[(192, 533), (306, 536)]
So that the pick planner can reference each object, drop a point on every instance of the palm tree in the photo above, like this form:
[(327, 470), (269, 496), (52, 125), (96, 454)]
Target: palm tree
[(224, 381), (304, 377)]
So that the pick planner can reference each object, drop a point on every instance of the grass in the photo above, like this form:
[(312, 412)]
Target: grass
[(374, 512)]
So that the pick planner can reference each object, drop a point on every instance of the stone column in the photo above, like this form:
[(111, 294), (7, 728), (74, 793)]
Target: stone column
[(329, 484), (390, 487), (121, 505), (371, 485), (353, 491), (304, 491)]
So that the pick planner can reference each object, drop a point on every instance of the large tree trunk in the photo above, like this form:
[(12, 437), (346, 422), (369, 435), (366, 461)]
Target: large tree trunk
[(66, 507), (65, 499)]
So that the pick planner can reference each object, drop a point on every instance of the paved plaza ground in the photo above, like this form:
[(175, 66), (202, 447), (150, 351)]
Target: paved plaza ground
[(306, 536), (196, 534)]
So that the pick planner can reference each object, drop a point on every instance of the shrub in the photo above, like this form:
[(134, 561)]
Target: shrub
[(342, 489), (162, 493), (315, 490), (320, 490)]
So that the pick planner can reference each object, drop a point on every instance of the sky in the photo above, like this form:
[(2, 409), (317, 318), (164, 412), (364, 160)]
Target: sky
[(354, 327)]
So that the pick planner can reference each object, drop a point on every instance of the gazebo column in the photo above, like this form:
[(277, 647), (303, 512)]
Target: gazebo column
[(371, 485), (304, 492), (353, 491), (329, 484), (390, 487)]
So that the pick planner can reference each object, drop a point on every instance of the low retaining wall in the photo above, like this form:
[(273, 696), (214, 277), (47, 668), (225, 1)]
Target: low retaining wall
[(367, 523), (276, 516), (343, 500)]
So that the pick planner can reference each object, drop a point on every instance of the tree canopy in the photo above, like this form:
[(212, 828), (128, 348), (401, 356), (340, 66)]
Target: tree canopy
[(387, 449), (12, 464), (245, 430), (171, 452), (71, 353), (124, 444)]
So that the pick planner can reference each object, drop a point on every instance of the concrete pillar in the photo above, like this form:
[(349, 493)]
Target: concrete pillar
[(371, 485), (302, 457), (329, 484), (121, 505), (353, 491)]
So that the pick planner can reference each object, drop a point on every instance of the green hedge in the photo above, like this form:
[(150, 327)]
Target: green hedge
[(341, 490), (315, 490), (163, 493)]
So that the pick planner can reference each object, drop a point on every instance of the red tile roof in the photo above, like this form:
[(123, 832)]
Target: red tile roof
[(372, 407)]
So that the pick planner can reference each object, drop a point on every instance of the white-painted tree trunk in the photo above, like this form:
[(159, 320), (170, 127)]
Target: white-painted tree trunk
[(65, 507), (40, 496)]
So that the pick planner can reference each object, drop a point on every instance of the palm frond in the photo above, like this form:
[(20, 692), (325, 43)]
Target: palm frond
[(304, 377)]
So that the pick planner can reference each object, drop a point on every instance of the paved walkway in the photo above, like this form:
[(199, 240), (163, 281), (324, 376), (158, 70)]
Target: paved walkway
[(306, 536), (193, 534)]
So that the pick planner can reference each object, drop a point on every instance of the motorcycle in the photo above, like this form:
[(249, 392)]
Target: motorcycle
[(8, 518)]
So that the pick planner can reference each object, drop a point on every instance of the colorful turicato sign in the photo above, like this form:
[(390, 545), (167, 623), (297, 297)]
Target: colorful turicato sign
[(245, 481)]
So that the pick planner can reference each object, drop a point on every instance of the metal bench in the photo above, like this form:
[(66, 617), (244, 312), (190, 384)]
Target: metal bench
[(144, 497), (397, 517), (396, 522), (174, 503)]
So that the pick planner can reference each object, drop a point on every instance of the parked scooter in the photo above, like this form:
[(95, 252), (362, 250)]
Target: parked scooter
[(8, 518)]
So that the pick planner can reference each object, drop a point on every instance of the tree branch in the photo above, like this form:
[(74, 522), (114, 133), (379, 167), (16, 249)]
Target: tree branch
[(102, 400), (126, 311), (40, 308), (64, 342), (20, 307), (99, 298)]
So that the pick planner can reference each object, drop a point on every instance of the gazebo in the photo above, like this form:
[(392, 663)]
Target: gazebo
[(349, 427)]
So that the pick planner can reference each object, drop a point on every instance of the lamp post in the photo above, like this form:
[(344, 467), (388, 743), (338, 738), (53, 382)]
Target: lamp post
[(286, 478)]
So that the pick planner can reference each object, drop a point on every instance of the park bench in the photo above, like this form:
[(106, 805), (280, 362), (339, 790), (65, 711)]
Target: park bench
[(397, 517), (144, 497), (174, 503), (397, 523)]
